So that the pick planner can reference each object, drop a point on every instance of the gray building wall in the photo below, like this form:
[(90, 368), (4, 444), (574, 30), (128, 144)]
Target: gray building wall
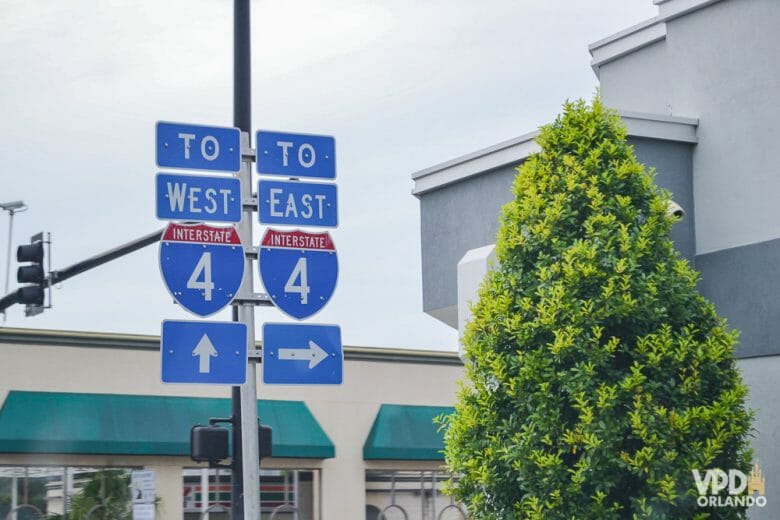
[(723, 67), (646, 71), (454, 219), (760, 374)]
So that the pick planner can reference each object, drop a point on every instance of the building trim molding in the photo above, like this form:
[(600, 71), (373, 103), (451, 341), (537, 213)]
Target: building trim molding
[(63, 338), (670, 9), (626, 42), (486, 159), (642, 34), (513, 151)]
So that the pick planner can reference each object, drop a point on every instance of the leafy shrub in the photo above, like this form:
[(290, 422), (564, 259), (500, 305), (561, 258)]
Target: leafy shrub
[(598, 376)]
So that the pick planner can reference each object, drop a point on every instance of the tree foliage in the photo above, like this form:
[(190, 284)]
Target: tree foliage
[(106, 494), (598, 376)]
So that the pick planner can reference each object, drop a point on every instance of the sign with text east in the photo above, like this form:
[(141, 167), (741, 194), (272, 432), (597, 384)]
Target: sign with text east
[(299, 270), (198, 198), (294, 203), (202, 265), (295, 354), (296, 155), (209, 352), (196, 147)]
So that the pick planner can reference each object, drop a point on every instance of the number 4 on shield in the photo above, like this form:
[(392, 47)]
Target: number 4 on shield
[(299, 272), (203, 266)]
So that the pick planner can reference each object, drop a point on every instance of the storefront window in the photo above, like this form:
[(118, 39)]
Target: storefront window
[(284, 494), (409, 495), (61, 493)]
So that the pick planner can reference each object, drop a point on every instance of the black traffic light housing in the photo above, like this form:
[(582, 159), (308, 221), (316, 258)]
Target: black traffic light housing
[(212, 443), (209, 444), (33, 274)]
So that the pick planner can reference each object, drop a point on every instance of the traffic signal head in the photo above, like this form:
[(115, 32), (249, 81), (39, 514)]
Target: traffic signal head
[(31, 273), (30, 253), (30, 295), (209, 443)]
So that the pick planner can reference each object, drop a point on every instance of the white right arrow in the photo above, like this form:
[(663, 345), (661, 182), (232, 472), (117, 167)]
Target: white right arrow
[(314, 354), (205, 349)]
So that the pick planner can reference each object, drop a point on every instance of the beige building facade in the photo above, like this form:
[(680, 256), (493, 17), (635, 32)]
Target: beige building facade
[(404, 385)]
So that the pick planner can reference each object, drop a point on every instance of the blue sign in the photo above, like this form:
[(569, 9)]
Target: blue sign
[(292, 203), (302, 354), (296, 155), (299, 270), (202, 265), (198, 198), (197, 147), (204, 352)]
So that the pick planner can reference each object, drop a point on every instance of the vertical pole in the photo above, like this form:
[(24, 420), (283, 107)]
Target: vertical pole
[(8, 262), (250, 447), (204, 494), (14, 496), (242, 118), (236, 471)]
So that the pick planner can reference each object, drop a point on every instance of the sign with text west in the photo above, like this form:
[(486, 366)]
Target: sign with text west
[(293, 203), (202, 265), (196, 147), (296, 155), (295, 354), (209, 352), (198, 198), (299, 270)]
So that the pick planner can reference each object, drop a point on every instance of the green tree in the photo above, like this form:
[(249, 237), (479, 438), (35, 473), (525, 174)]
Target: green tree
[(109, 489), (598, 376)]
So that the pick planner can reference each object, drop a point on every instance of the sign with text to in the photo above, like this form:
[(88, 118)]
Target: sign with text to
[(198, 147), (299, 270), (198, 198), (294, 203), (210, 352), (295, 354), (296, 155), (202, 265)]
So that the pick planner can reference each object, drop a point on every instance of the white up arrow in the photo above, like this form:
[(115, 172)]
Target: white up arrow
[(314, 354), (205, 349)]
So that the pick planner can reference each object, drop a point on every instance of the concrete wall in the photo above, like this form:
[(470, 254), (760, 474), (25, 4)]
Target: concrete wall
[(454, 219), (645, 70), (345, 412)]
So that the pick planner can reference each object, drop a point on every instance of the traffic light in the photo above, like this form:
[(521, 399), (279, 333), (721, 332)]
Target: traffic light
[(209, 443), (32, 273)]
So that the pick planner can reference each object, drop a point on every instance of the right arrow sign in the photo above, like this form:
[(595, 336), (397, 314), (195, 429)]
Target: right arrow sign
[(302, 354)]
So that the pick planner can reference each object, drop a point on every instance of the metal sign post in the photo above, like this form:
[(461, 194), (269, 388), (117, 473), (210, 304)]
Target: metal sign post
[(246, 461), (250, 453)]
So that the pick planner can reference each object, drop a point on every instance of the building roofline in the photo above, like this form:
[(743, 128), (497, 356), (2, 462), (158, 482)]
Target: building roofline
[(513, 151), (70, 338), (642, 34)]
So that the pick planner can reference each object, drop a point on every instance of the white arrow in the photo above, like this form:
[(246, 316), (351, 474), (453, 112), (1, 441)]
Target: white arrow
[(314, 354), (205, 349)]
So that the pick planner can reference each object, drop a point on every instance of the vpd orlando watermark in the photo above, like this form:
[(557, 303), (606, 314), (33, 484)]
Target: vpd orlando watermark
[(743, 490)]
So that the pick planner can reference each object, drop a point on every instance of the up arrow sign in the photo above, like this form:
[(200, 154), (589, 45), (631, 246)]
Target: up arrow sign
[(314, 354), (205, 349)]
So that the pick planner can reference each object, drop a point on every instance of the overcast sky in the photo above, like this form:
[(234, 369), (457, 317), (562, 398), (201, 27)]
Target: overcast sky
[(401, 84)]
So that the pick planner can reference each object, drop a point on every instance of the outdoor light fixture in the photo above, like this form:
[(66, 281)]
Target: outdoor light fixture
[(14, 206)]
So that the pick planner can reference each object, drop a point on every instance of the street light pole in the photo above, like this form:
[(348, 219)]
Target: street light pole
[(13, 207)]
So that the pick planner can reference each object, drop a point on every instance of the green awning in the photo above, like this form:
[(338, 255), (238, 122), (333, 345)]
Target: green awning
[(404, 432), (53, 422)]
